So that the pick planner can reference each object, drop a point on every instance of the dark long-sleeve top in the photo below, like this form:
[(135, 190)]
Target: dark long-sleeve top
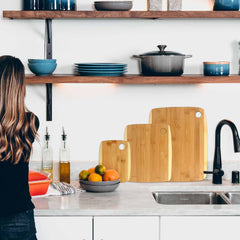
[(14, 189)]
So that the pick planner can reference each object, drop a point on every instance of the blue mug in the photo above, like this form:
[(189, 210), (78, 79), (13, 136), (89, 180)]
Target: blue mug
[(226, 5)]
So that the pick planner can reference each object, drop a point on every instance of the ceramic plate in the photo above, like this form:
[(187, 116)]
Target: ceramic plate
[(101, 64), (100, 68), (101, 74)]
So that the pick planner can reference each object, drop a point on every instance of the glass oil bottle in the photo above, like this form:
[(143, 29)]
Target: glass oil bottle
[(47, 156), (64, 160)]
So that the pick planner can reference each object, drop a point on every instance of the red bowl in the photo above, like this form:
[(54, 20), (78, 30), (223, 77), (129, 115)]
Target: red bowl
[(39, 187), (36, 176)]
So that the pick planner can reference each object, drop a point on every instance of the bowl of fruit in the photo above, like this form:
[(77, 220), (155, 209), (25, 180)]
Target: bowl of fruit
[(99, 179)]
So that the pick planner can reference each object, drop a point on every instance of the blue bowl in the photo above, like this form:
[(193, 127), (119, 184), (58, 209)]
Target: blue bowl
[(226, 5), (42, 60), (216, 68), (42, 69)]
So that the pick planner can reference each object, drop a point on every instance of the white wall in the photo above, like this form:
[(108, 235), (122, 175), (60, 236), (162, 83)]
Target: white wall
[(91, 113)]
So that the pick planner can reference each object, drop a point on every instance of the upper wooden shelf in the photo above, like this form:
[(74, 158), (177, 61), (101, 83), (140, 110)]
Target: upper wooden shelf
[(134, 79), (119, 14)]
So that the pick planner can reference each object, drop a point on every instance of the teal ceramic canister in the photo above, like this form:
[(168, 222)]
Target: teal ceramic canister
[(216, 68), (226, 5)]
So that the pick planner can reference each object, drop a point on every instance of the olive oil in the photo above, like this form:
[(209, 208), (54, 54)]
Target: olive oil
[(64, 160), (64, 170)]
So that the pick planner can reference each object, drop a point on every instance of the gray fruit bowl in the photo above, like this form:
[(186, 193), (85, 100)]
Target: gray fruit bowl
[(113, 5), (105, 186)]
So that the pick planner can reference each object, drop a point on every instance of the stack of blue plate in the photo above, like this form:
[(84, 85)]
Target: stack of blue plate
[(100, 69)]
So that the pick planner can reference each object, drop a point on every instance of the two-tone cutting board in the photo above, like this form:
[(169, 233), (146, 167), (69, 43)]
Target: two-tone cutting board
[(189, 140), (151, 152), (115, 154)]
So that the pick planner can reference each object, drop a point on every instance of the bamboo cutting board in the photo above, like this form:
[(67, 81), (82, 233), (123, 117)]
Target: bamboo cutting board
[(151, 152), (189, 140), (115, 154)]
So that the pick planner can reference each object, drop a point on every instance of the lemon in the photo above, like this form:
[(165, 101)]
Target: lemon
[(83, 175), (100, 169)]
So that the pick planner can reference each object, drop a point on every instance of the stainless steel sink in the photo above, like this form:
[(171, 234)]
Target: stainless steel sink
[(234, 197), (186, 198)]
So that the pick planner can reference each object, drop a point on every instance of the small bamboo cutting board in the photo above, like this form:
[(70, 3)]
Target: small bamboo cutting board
[(115, 154), (189, 140), (151, 152)]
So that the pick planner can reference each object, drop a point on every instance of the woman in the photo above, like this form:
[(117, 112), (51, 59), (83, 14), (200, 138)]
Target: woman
[(18, 129)]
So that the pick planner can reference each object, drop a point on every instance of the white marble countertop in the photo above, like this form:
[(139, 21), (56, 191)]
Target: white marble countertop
[(134, 199)]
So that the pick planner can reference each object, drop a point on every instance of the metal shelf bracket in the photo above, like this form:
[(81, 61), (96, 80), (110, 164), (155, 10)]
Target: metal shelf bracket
[(48, 55)]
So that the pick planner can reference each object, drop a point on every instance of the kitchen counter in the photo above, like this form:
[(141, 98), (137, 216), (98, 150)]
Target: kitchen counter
[(134, 199)]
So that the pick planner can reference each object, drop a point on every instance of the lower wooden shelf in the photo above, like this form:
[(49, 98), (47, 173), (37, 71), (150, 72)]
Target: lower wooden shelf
[(134, 79)]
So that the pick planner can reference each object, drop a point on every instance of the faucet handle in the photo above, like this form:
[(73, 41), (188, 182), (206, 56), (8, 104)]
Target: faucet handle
[(218, 172), (208, 172), (217, 175)]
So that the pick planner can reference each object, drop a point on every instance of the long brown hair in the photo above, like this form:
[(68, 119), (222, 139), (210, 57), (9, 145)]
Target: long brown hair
[(15, 125)]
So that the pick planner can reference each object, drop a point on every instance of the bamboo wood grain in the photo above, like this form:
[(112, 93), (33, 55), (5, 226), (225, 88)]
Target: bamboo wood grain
[(189, 141), (133, 79), (112, 157), (151, 152), (119, 14)]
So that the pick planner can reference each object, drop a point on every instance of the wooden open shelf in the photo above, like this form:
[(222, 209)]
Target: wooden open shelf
[(134, 79), (119, 14)]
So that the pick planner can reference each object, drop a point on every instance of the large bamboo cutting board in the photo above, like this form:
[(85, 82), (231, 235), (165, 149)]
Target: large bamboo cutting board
[(115, 154), (189, 140), (151, 152)]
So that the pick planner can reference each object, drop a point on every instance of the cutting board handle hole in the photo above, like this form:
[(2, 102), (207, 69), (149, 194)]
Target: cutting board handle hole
[(198, 114), (163, 131), (121, 146)]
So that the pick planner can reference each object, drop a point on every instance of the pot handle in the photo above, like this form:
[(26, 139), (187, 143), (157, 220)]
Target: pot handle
[(188, 56), (136, 56), (162, 48)]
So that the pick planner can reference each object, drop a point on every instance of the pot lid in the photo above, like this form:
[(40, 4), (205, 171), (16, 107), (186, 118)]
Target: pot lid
[(162, 52)]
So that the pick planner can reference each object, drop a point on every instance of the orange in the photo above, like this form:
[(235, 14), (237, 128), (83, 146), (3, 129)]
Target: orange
[(100, 169), (91, 170), (111, 175), (94, 177)]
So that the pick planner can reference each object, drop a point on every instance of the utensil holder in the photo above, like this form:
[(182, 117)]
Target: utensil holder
[(174, 5)]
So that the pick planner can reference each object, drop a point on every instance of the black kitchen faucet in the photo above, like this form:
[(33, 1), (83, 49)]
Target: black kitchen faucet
[(217, 163)]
